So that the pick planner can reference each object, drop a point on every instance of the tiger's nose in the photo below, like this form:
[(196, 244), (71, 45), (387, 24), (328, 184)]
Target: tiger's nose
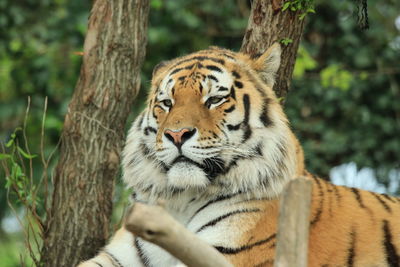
[(178, 137)]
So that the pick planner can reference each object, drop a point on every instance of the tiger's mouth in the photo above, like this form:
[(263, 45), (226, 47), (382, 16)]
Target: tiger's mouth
[(212, 167)]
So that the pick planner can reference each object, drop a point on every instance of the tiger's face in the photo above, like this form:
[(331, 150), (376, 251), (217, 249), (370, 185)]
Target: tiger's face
[(212, 121)]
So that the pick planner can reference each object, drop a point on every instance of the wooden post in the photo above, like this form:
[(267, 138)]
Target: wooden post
[(293, 224)]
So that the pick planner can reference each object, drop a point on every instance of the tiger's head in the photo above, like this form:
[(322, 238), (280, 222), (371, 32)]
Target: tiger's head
[(212, 123)]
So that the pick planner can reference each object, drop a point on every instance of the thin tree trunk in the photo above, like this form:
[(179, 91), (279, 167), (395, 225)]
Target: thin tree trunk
[(93, 134), (268, 24)]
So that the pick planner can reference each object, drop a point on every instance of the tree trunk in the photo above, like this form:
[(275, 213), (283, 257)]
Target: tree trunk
[(268, 24), (93, 134)]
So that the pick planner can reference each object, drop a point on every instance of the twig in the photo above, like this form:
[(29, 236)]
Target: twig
[(44, 162), (26, 142), (154, 224)]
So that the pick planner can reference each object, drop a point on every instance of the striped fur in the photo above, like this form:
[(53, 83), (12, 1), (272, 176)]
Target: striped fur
[(223, 181)]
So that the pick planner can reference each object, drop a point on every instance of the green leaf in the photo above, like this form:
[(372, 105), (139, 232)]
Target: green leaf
[(310, 10), (4, 156), (10, 143), (16, 172), (286, 41), (26, 155), (285, 6)]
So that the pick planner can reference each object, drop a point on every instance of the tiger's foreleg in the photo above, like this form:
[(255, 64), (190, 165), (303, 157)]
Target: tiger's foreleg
[(121, 251)]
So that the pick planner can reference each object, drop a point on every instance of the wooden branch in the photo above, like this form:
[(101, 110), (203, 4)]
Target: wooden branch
[(154, 224), (293, 225)]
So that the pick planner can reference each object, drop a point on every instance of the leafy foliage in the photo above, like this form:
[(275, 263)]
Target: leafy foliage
[(306, 6), (345, 107)]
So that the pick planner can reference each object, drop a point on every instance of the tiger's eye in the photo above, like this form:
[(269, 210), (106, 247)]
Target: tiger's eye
[(214, 99), (167, 103)]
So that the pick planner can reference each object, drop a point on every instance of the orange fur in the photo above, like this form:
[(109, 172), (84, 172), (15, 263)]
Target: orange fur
[(349, 227)]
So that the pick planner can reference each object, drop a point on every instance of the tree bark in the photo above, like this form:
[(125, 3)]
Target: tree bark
[(268, 24), (93, 134)]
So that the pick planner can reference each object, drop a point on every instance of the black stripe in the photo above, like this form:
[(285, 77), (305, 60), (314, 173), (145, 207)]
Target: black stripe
[(114, 260), (337, 193), (392, 258), (225, 250), (95, 262), (199, 58), (233, 127), (317, 216), (233, 94), (230, 109), (223, 217), (213, 167), (218, 199), (246, 104), (330, 190), (384, 204), (247, 134), (176, 70), (236, 75), (228, 56), (351, 251), (222, 88), (186, 68), (212, 77), (391, 199), (238, 84), (256, 55), (259, 149), (157, 106), (149, 129), (264, 118), (213, 68), (142, 256), (356, 193)]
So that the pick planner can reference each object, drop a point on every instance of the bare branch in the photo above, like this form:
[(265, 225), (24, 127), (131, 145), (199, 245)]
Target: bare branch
[(154, 224)]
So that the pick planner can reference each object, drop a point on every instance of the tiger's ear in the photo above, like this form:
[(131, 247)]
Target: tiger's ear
[(268, 64), (159, 67)]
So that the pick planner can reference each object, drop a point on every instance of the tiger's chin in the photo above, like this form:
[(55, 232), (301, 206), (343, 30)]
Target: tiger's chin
[(184, 175)]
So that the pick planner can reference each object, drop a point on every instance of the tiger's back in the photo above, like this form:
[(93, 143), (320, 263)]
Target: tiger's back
[(348, 227), (215, 143), (352, 227)]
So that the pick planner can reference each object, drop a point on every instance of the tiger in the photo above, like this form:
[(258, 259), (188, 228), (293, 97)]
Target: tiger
[(215, 144)]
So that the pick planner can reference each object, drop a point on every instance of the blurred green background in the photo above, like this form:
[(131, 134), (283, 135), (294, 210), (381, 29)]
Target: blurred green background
[(344, 103)]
